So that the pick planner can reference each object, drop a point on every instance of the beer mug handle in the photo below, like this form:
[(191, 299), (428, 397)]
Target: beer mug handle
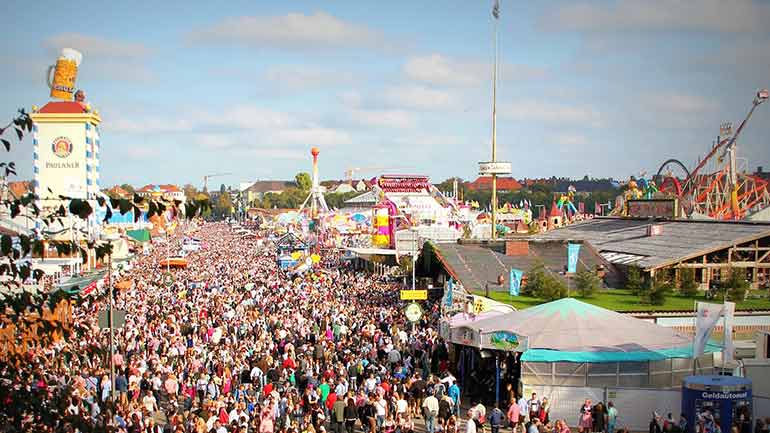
[(49, 77)]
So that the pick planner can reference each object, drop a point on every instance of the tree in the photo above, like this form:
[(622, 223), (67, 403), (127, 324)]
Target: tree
[(687, 284), (735, 286), (541, 283), (190, 191), (587, 283), (303, 180), (634, 281), (658, 289), (128, 188), (224, 205)]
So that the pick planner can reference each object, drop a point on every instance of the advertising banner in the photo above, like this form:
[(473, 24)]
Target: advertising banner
[(573, 252)]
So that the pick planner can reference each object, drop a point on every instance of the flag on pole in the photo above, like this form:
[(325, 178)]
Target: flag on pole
[(707, 316), (728, 351), (515, 282), (496, 10)]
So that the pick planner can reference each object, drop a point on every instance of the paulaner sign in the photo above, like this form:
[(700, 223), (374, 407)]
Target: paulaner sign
[(724, 395), (62, 165)]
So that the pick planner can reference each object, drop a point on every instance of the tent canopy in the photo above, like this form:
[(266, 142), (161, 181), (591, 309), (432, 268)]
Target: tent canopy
[(141, 235), (573, 331)]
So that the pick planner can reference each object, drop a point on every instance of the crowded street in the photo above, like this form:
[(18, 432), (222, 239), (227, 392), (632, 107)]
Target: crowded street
[(232, 344)]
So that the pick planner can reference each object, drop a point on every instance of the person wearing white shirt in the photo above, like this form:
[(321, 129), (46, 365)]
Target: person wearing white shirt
[(470, 423)]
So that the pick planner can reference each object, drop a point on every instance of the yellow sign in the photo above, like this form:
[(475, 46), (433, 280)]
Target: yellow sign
[(478, 306), (414, 295)]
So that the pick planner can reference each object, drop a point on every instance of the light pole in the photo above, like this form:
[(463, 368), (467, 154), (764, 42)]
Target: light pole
[(112, 334)]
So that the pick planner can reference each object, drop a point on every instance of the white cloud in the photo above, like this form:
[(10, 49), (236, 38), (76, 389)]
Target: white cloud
[(568, 139), (419, 97), (302, 77), (146, 125), (736, 16), (279, 153), (294, 30), (312, 135), (550, 112), (399, 119), (679, 104), (141, 152), (441, 70), (248, 117), (97, 47)]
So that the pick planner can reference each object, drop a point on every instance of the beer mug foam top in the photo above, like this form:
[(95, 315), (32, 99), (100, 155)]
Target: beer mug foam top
[(65, 73)]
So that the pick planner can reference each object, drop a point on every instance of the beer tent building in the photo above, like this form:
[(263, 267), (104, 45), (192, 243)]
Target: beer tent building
[(572, 343)]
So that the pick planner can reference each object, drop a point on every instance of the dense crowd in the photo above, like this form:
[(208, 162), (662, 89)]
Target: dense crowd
[(233, 344)]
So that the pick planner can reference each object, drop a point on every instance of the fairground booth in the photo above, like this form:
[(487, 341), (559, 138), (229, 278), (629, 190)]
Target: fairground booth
[(567, 351)]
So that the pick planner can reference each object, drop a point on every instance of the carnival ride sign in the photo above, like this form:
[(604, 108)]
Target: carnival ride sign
[(495, 167), (655, 208), (414, 295)]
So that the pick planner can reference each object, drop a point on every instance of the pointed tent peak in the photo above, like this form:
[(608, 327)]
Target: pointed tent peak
[(554, 210), (565, 306)]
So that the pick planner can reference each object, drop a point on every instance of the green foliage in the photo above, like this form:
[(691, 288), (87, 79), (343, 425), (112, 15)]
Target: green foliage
[(304, 181), (634, 281), (687, 284), (337, 200), (128, 188), (587, 283), (659, 292), (543, 284), (224, 205), (734, 285)]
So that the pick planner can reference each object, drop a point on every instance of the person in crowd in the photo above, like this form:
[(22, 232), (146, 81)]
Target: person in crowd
[(533, 406), (612, 417), (586, 418)]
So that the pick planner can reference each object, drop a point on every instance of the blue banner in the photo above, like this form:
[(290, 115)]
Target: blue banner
[(515, 282), (449, 288), (573, 252)]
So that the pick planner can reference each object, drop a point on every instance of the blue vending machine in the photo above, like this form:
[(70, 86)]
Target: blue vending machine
[(711, 400)]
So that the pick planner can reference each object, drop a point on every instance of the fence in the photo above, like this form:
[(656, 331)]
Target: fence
[(667, 373), (635, 405)]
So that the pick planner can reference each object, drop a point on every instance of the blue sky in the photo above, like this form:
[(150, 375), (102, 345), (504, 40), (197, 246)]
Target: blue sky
[(604, 88)]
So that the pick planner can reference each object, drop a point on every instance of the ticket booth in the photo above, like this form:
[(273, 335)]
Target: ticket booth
[(711, 400)]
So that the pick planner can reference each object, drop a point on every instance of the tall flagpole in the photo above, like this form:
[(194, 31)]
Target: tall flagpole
[(494, 126)]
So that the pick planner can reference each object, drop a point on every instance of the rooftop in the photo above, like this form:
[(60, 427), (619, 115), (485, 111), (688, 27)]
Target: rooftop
[(476, 265), (625, 240)]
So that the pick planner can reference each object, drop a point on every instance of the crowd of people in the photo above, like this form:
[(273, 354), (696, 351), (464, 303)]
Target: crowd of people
[(232, 344)]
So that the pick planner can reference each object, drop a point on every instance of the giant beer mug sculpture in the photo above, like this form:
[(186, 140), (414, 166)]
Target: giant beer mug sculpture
[(61, 77)]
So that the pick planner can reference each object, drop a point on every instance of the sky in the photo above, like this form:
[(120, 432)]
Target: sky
[(599, 88)]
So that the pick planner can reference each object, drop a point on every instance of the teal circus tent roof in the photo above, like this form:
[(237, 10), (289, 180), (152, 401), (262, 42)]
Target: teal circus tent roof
[(141, 235), (572, 331)]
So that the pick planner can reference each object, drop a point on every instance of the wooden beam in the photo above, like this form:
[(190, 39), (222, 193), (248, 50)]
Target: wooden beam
[(749, 249), (723, 265)]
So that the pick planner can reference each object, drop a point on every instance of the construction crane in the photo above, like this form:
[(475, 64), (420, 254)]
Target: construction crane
[(351, 172), (209, 176)]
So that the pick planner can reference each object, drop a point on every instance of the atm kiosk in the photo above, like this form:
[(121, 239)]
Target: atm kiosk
[(711, 400)]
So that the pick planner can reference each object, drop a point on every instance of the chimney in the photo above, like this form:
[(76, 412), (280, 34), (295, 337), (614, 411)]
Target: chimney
[(654, 230), (516, 248)]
